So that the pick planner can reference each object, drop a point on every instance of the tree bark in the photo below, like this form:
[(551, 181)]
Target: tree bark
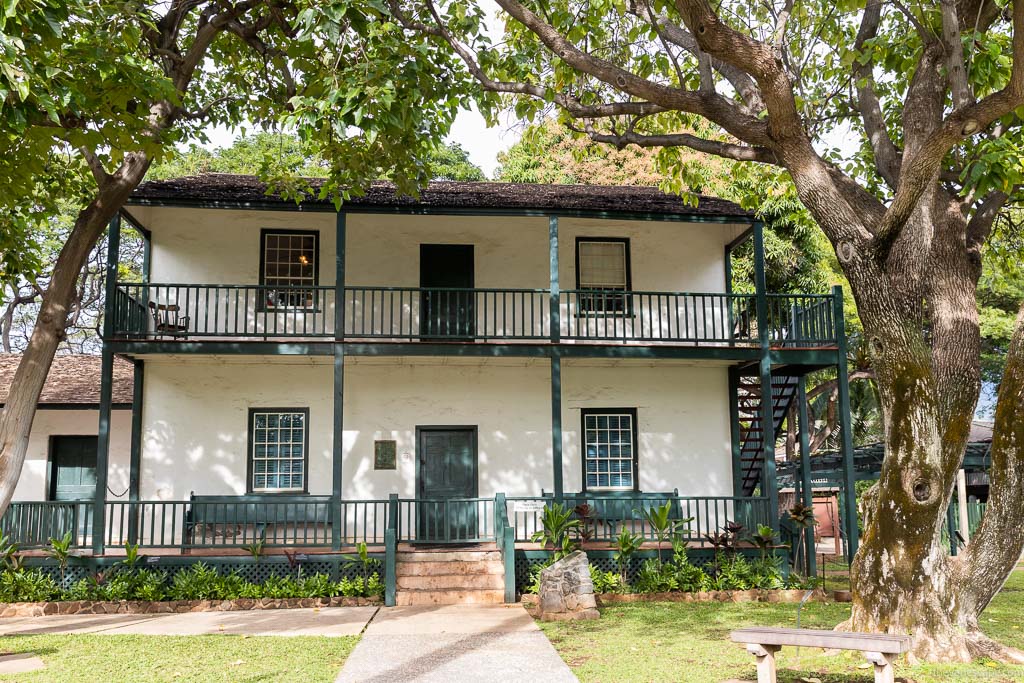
[(19, 410)]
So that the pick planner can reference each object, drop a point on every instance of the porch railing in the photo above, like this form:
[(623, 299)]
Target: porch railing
[(32, 524), (709, 514), (195, 311), (308, 521), (416, 313)]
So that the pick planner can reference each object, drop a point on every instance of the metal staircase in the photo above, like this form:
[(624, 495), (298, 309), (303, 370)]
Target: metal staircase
[(749, 396)]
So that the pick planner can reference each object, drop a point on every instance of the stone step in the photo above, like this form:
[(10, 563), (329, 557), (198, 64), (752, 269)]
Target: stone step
[(444, 582), (408, 598), (403, 568), (449, 556)]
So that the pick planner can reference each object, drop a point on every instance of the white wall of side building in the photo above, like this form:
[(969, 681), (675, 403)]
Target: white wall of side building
[(33, 482), (196, 420)]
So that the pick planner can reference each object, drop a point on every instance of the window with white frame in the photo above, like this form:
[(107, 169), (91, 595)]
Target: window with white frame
[(289, 267), (609, 447), (602, 264), (278, 439)]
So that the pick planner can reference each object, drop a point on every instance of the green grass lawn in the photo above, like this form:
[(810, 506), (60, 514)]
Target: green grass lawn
[(689, 642), (181, 658)]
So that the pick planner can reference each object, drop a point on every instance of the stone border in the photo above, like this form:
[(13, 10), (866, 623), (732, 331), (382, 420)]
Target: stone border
[(532, 602), (39, 609)]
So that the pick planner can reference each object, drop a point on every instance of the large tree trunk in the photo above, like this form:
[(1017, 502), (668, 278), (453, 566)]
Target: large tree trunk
[(920, 318), (20, 408)]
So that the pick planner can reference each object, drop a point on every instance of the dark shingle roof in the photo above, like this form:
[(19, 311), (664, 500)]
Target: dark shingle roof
[(73, 379), (228, 189)]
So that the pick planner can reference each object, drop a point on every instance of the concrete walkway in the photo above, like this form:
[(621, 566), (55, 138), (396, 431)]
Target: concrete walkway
[(327, 621), (464, 643)]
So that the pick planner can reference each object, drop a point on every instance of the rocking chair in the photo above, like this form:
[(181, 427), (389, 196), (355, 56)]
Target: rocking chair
[(167, 321)]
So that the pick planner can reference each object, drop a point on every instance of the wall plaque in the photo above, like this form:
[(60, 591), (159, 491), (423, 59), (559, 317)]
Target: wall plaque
[(384, 455)]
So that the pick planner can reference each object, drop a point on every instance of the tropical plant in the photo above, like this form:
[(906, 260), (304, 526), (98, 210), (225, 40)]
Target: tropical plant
[(59, 550), (587, 515), (557, 529), (764, 539), (655, 577), (27, 585), (606, 582), (255, 549), (9, 556), (659, 519), (626, 544), (689, 577), (198, 582), (803, 518), (361, 562)]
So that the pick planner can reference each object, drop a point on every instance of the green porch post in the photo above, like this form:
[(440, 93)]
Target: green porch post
[(849, 516), (734, 431), (806, 485), (135, 461), (556, 323), (339, 380), (769, 479), (106, 387), (556, 425)]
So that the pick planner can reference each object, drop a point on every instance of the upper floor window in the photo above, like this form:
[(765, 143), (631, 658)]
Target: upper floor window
[(609, 449), (602, 263), (289, 268), (278, 448)]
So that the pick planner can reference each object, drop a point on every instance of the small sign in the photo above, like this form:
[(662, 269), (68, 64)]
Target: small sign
[(152, 559), (384, 455), (528, 506), (301, 557)]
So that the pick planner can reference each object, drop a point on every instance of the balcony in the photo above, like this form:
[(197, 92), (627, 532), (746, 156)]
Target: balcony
[(195, 312)]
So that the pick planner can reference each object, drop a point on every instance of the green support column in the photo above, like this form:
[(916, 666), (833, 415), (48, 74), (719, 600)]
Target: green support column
[(556, 425), (339, 381), (135, 461), (849, 517), (770, 483), (106, 387), (734, 431), (556, 323), (806, 486)]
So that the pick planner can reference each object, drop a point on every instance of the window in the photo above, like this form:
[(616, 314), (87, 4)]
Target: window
[(602, 263), (289, 268), (609, 444), (278, 447)]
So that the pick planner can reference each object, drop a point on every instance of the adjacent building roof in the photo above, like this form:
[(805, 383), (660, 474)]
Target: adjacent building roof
[(73, 380), (213, 189)]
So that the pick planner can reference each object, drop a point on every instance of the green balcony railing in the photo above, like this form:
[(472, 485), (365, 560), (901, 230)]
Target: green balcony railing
[(196, 311), (32, 524)]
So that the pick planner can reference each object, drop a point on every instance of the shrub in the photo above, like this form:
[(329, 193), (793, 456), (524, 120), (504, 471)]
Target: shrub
[(198, 582), (533, 585), (655, 577), (27, 585), (689, 577), (316, 586), (606, 582)]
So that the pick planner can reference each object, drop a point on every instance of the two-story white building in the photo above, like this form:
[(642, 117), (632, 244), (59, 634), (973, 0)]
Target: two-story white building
[(440, 367)]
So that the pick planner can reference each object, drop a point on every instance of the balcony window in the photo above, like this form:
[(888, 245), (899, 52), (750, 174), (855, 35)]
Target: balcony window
[(609, 447), (289, 268), (602, 264), (278, 449)]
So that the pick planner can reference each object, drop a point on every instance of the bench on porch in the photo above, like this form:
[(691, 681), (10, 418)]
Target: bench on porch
[(763, 643), (243, 520)]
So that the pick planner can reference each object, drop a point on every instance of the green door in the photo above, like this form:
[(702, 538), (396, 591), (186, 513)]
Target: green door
[(74, 468), (73, 478), (447, 485)]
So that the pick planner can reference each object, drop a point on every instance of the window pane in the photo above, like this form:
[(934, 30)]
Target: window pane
[(278, 451), (602, 265), (608, 450)]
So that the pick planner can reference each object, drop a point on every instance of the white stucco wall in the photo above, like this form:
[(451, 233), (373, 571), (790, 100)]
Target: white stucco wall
[(196, 418), (222, 246), (682, 417), (32, 485)]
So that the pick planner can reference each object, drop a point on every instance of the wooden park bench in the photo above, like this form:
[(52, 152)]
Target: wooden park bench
[(763, 643)]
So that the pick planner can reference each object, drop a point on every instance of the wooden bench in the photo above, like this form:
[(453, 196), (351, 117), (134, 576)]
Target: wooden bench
[(216, 520), (763, 643)]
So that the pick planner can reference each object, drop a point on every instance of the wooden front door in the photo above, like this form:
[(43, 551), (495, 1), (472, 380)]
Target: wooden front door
[(446, 481), (74, 468), (447, 314)]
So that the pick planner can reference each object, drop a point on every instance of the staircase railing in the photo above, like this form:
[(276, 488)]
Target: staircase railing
[(505, 537), (391, 552)]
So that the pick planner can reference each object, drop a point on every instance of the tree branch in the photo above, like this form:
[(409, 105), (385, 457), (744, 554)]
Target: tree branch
[(721, 149), (887, 157)]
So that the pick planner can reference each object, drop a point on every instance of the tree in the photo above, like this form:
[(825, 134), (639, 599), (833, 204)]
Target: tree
[(928, 100), (93, 92)]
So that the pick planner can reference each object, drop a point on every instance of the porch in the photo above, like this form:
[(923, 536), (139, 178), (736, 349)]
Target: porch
[(179, 312)]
